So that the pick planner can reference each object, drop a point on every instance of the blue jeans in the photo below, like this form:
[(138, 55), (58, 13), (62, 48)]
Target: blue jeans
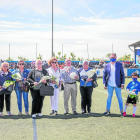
[(110, 94), (19, 100)]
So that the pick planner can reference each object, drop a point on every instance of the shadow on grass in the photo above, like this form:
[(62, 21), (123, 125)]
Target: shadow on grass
[(70, 116)]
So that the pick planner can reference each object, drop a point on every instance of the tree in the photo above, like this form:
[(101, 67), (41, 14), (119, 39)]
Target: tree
[(108, 55), (97, 59), (93, 59), (125, 58), (59, 55), (23, 58), (53, 54), (72, 56), (9, 59), (39, 57)]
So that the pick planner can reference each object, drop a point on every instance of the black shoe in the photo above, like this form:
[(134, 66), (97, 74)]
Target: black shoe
[(89, 111), (107, 112), (55, 113), (66, 113), (52, 112), (75, 113), (83, 112)]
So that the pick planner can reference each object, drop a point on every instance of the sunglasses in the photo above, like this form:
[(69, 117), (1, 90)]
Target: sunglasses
[(54, 62), (39, 63), (21, 64), (5, 66)]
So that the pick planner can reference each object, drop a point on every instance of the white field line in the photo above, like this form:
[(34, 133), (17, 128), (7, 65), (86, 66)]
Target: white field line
[(107, 93), (113, 94), (34, 129)]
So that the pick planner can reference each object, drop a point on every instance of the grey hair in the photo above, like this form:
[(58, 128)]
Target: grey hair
[(113, 54), (85, 61)]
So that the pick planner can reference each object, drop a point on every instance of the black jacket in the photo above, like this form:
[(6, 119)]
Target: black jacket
[(31, 76)]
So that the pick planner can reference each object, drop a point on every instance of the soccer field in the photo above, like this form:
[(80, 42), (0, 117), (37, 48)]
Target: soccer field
[(94, 126)]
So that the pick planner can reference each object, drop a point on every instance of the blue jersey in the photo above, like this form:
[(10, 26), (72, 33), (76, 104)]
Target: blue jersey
[(134, 85)]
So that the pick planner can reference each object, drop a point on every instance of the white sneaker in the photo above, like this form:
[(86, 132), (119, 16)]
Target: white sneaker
[(27, 113), (9, 113), (1, 114), (20, 113), (34, 115), (39, 114)]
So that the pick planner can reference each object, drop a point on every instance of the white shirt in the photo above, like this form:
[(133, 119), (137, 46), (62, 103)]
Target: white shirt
[(112, 77), (55, 74)]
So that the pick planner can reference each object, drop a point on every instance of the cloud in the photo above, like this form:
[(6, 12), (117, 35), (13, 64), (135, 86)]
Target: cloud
[(1, 15), (99, 34), (42, 6)]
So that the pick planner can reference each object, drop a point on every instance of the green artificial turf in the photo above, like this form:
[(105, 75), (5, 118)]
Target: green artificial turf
[(94, 126)]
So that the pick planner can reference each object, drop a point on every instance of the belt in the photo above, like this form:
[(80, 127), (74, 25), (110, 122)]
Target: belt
[(71, 83)]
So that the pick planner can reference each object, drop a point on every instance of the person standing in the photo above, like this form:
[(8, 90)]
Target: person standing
[(5, 75), (24, 73), (70, 86), (86, 89), (34, 77), (113, 78), (55, 71)]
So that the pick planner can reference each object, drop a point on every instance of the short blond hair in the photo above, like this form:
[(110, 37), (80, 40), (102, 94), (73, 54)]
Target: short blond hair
[(3, 64), (38, 60), (50, 61)]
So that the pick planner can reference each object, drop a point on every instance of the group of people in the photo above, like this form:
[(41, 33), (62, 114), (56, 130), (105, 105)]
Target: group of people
[(113, 78)]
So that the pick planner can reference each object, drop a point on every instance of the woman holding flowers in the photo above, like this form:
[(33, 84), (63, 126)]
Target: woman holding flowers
[(22, 79), (35, 79), (87, 78), (4, 93), (54, 71)]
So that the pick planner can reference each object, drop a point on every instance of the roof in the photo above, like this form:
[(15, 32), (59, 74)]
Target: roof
[(136, 44)]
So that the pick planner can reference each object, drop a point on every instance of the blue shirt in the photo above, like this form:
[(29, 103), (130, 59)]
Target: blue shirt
[(66, 75), (134, 85), (84, 76)]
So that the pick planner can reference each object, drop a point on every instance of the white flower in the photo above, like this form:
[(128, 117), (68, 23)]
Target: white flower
[(90, 73), (16, 76), (44, 78), (72, 75)]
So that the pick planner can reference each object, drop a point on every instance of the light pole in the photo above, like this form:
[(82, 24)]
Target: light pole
[(62, 50), (87, 51), (9, 51), (52, 28), (36, 50)]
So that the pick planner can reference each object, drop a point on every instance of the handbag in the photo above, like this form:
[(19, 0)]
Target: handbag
[(46, 90), (25, 86), (62, 86), (10, 88), (95, 84)]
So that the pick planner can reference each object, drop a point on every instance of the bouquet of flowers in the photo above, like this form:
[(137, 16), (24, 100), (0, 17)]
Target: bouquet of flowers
[(16, 76), (6, 84), (132, 95), (89, 74), (43, 78), (72, 75), (53, 78)]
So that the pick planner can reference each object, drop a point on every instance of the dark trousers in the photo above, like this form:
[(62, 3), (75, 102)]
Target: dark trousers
[(7, 102), (86, 94), (37, 101)]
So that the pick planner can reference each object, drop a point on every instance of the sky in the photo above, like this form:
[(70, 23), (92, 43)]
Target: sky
[(77, 24)]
